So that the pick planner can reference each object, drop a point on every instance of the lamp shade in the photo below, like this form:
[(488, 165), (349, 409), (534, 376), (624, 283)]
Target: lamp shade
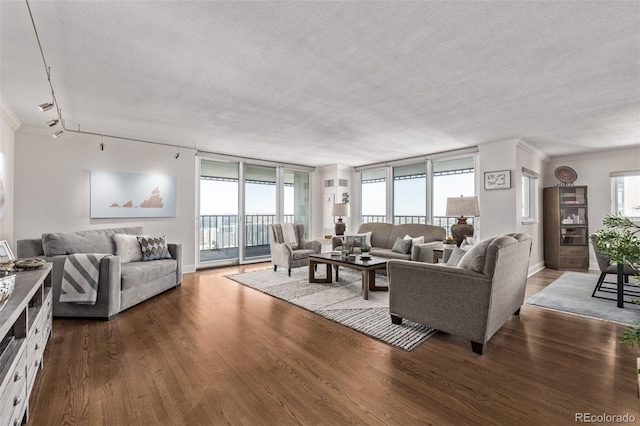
[(463, 206), (340, 209)]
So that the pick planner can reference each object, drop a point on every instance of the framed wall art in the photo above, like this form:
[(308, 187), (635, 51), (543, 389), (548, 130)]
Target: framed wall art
[(5, 252), (122, 195), (500, 179)]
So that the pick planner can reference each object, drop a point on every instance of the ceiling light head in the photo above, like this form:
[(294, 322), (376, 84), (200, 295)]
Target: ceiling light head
[(53, 122), (102, 146), (45, 106), (58, 134), (177, 155)]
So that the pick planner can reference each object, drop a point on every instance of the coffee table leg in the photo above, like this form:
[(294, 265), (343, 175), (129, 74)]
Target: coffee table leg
[(365, 285), (329, 272), (312, 267), (337, 279), (312, 275)]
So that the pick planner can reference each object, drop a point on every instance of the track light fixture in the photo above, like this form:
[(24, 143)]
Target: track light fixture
[(58, 134), (53, 122), (45, 106), (177, 153), (101, 146)]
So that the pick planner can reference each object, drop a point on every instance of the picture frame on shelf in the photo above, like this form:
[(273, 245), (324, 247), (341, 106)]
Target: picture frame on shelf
[(5, 252), (500, 179)]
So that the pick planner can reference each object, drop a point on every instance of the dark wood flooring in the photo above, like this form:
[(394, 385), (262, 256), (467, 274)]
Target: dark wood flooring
[(214, 352)]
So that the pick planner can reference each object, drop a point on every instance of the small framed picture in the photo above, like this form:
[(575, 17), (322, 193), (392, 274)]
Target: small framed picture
[(5, 252), (497, 180)]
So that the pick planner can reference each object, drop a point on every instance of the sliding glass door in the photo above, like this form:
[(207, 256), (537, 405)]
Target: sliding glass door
[(260, 209), (297, 201), (218, 233)]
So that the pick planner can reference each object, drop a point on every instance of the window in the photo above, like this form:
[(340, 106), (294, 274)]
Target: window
[(374, 199), (626, 193), (410, 193), (529, 195), (451, 178)]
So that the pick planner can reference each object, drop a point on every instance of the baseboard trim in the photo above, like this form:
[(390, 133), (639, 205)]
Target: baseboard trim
[(534, 269)]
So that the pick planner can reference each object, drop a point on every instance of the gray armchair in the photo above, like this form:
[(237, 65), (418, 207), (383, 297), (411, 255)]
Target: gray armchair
[(284, 255), (473, 299)]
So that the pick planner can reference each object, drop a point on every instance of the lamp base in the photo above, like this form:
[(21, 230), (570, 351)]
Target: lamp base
[(461, 230), (340, 227)]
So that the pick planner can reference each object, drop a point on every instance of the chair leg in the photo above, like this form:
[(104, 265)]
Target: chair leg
[(275, 268), (289, 271), (599, 283), (477, 347), (396, 319)]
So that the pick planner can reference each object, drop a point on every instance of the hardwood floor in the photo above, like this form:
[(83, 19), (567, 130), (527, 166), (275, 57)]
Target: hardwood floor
[(215, 352)]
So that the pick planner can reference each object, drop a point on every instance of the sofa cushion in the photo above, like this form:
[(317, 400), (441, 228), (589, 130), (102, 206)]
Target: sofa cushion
[(138, 273), (94, 241), (379, 233), (302, 253), (128, 248), (401, 246), (387, 253), (153, 248), (417, 240)]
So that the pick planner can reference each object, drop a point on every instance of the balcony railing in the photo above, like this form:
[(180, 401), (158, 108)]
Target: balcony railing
[(221, 231)]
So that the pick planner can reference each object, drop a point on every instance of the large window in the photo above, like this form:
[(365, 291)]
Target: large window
[(626, 193), (410, 193), (374, 195), (451, 178)]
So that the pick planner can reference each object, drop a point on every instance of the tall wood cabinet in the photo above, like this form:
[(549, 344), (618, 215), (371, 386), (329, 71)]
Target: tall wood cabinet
[(566, 227)]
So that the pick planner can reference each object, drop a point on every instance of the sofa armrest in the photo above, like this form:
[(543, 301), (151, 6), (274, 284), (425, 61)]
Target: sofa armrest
[(336, 242), (110, 285), (281, 254), (31, 247), (175, 250), (424, 252), (313, 245)]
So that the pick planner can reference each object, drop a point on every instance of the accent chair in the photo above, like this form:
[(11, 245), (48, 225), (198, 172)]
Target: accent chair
[(291, 254)]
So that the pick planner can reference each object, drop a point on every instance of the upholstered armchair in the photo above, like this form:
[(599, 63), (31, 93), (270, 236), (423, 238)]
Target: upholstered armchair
[(472, 298), (289, 249)]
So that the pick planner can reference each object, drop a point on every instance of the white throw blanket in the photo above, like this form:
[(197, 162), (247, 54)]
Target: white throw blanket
[(80, 278), (289, 235)]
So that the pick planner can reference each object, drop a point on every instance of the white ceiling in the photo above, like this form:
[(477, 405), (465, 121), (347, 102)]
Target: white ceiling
[(322, 83)]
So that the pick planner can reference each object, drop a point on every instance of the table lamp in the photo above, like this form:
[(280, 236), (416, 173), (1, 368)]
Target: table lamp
[(461, 207)]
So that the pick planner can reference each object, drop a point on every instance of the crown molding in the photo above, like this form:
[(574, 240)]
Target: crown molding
[(8, 115), (532, 149), (631, 151)]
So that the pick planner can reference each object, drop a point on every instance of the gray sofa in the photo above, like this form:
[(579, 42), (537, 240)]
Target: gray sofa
[(384, 235), (472, 299), (121, 284)]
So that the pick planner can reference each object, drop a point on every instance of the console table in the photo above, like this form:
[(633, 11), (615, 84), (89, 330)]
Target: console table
[(25, 327)]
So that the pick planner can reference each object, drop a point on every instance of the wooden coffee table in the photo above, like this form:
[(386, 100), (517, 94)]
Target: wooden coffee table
[(368, 268)]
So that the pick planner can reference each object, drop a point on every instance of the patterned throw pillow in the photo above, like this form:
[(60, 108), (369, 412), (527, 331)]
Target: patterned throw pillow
[(153, 248)]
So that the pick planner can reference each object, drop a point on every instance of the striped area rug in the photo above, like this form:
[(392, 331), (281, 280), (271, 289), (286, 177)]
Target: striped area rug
[(341, 302)]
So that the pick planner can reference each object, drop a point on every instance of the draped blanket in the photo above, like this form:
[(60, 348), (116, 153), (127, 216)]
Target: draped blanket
[(80, 278), (289, 235)]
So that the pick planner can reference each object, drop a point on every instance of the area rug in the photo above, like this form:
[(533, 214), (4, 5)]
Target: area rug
[(341, 302), (571, 293)]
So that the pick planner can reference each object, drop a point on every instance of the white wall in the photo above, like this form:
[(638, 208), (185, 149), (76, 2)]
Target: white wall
[(9, 123), (52, 185), (593, 171)]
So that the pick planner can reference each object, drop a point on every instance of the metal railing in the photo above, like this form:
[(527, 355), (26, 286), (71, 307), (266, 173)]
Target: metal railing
[(221, 231)]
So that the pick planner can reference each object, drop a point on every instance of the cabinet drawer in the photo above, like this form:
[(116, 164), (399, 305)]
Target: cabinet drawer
[(15, 391), (574, 262)]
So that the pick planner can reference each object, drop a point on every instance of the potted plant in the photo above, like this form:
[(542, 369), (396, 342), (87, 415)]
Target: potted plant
[(364, 250), (449, 240), (619, 241)]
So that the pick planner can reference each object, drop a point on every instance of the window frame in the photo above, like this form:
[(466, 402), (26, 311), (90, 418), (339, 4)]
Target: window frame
[(532, 199)]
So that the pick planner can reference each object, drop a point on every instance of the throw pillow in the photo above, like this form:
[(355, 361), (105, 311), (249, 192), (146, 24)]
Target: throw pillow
[(402, 246), (476, 256), (456, 256), (153, 248), (366, 235), (128, 248), (414, 241)]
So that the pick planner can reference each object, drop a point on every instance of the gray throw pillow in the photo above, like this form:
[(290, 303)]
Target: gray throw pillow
[(402, 246), (476, 257), (456, 256), (128, 248)]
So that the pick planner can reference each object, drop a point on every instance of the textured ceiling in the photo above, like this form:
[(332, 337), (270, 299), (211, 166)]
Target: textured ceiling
[(322, 83)]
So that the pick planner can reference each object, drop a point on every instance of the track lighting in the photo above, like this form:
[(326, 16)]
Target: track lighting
[(58, 134), (177, 155), (53, 122), (45, 106)]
